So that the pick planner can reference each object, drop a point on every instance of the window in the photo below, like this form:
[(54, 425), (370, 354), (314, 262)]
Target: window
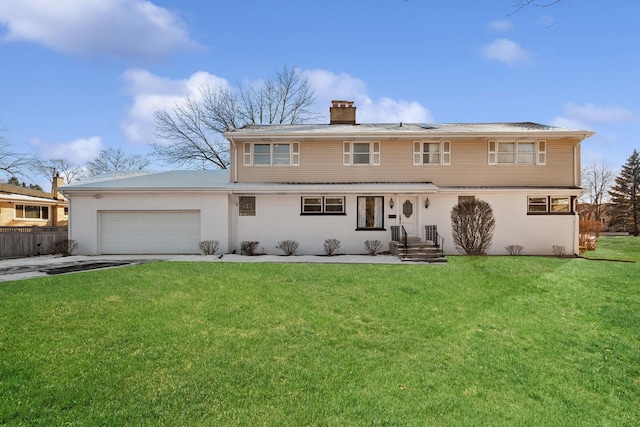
[(361, 153), (550, 205), (370, 213), (432, 153), (323, 205), (32, 212), (247, 206), (560, 204), (517, 152), (277, 154), (66, 211), (463, 199)]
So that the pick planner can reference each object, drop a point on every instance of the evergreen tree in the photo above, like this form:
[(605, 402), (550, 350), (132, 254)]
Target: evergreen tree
[(625, 196)]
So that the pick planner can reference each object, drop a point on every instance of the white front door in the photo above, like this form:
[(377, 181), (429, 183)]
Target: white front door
[(408, 214)]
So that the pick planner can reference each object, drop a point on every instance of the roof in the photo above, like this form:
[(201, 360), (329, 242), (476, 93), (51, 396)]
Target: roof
[(218, 180), (10, 189), (406, 130), (149, 180)]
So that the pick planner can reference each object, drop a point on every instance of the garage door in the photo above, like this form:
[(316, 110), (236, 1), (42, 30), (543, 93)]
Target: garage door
[(150, 232)]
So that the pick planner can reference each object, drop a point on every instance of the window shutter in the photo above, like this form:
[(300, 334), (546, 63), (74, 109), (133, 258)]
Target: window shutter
[(492, 152), (346, 153), (376, 153), (446, 152), (295, 154), (417, 153), (542, 152), (247, 154)]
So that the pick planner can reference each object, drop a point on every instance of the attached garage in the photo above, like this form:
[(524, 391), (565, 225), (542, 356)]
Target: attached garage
[(149, 232)]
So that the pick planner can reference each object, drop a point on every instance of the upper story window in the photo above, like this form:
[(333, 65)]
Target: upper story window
[(361, 153), (275, 154), (32, 212), (517, 152), (431, 153)]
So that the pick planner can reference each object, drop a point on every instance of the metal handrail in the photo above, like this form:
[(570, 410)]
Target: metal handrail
[(432, 234)]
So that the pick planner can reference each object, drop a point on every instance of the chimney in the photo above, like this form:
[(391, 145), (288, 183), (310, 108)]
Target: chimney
[(58, 182), (342, 113)]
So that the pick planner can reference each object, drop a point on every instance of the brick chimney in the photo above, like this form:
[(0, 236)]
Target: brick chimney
[(342, 113), (58, 182)]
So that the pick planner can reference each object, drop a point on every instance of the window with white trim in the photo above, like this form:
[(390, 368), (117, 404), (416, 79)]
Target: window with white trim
[(550, 204), (323, 205), (517, 152), (271, 154), (370, 213), (361, 153), (32, 212), (247, 206), (431, 153)]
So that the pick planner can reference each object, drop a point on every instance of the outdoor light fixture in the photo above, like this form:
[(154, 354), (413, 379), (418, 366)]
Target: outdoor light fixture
[(391, 203), (426, 203)]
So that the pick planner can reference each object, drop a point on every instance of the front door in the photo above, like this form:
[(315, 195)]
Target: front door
[(408, 214)]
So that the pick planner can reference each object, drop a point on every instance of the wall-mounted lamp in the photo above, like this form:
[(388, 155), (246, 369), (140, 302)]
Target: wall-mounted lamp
[(391, 204), (426, 203)]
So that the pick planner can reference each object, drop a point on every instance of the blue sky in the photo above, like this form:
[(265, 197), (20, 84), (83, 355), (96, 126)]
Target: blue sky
[(82, 75)]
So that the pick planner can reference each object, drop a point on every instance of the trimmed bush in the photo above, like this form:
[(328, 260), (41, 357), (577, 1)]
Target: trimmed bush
[(63, 247), (331, 246), (514, 249), (248, 248), (209, 247), (373, 246), (289, 247), (558, 250)]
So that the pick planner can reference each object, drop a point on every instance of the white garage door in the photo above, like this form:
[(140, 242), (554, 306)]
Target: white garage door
[(150, 232)]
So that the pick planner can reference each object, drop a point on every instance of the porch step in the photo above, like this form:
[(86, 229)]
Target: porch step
[(418, 251)]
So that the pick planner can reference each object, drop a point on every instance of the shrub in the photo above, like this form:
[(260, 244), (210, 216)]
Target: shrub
[(248, 248), (559, 250), (373, 246), (514, 249), (331, 246), (289, 247), (209, 247), (472, 224), (63, 247)]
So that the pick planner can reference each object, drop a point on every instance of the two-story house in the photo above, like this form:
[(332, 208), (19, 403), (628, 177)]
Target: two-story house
[(349, 181)]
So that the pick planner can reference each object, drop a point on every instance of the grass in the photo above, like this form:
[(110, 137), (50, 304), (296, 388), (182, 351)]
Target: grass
[(480, 341)]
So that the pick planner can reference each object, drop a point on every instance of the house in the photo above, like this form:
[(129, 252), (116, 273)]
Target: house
[(23, 207), (349, 181)]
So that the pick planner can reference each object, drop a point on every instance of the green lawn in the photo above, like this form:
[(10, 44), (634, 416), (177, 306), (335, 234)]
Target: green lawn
[(514, 341)]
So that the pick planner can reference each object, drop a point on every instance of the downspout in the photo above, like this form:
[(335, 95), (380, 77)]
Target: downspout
[(235, 159)]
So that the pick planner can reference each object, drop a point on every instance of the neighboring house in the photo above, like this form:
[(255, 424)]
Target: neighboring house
[(22, 207), (348, 181)]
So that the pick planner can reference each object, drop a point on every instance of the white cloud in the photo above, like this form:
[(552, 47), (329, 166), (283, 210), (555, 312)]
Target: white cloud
[(78, 151), (132, 29), (151, 93), (506, 51), (501, 25), (591, 113), (342, 86)]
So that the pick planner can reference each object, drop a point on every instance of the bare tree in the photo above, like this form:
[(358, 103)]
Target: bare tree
[(472, 224), (190, 135), (11, 162), (113, 160), (70, 171), (596, 181)]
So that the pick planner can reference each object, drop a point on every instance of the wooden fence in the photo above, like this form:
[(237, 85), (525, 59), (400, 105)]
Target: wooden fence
[(16, 242)]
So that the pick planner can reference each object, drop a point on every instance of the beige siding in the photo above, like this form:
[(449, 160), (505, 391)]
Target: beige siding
[(321, 162)]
